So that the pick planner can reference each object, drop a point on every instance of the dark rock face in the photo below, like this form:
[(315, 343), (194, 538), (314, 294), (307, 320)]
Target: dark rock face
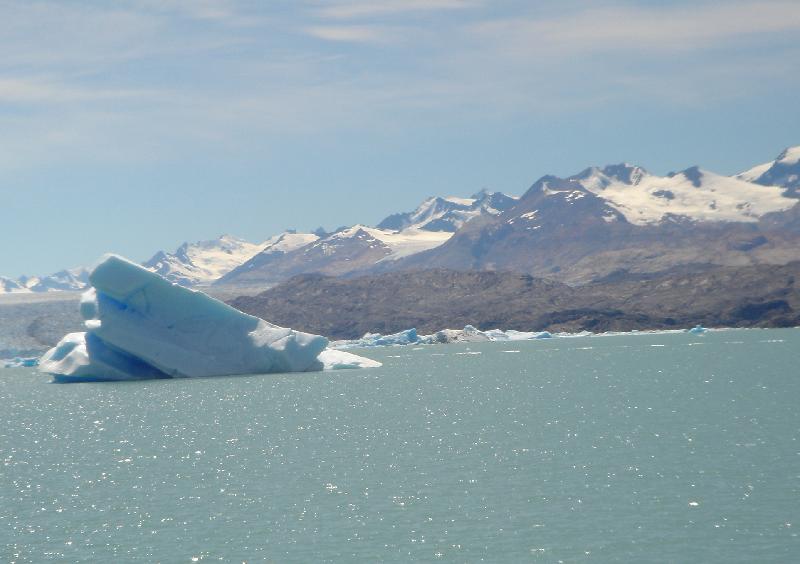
[(750, 296), (783, 173)]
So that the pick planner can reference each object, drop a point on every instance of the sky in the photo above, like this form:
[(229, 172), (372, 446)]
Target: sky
[(132, 126)]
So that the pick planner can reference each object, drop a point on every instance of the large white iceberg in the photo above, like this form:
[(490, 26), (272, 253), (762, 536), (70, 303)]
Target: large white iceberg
[(140, 325)]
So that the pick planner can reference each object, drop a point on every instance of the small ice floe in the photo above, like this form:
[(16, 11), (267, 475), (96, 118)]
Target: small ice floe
[(341, 360), (694, 503)]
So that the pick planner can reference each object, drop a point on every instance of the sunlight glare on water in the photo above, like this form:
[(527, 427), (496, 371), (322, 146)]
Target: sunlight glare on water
[(666, 447)]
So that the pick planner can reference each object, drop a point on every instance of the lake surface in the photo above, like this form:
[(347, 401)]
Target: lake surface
[(661, 447)]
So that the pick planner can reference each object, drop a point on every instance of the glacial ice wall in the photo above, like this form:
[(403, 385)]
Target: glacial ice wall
[(140, 325)]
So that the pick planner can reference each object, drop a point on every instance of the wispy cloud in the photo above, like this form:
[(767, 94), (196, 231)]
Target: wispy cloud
[(232, 13), (32, 91), (352, 33), (218, 10), (147, 75), (654, 28), (371, 8)]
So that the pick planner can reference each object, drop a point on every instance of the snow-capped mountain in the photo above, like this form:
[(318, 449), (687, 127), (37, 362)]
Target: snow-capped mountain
[(395, 244), (273, 252), (646, 199), (348, 250), (784, 171), (620, 219), (11, 286), (449, 213), (66, 280), (204, 262), (361, 248), (580, 228)]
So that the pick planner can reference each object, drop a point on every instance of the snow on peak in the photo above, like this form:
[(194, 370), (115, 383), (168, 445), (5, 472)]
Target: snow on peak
[(599, 178), (399, 243), (66, 280), (448, 213), (784, 172), (789, 156), (11, 286), (693, 193), (288, 241), (204, 261), (467, 202), (753, 174)]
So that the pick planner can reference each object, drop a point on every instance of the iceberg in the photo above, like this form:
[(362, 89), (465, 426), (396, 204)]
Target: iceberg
[(407, 337), (139, 325), (469, 334)]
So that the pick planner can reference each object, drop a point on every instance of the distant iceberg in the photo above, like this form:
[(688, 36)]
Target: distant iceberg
[(407, 337), (140, 325), (471, 334)]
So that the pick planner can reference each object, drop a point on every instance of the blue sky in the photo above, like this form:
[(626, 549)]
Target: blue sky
[(131, 126)]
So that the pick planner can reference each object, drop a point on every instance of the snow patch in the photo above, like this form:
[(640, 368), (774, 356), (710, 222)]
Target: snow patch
[(206, 261), (697, 194), (399, 243)]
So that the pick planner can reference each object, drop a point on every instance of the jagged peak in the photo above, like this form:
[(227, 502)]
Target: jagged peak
[(790, 155), (621, 172), (482, 194), (694, 174), (625, 172), (551, 182)]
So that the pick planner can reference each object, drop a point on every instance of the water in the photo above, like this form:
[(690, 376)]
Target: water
[(630, 448)]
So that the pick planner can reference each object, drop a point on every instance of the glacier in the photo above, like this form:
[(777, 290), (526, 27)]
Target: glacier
[(140, 325)]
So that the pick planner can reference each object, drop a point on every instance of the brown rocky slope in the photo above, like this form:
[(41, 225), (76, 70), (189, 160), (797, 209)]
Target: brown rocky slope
[(748, 296)]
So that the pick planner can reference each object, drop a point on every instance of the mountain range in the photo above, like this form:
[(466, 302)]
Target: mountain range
[(65, 280), (620, 220), (602, 223)]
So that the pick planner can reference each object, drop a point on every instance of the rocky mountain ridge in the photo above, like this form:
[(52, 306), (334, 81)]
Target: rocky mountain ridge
[(361, 248)]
